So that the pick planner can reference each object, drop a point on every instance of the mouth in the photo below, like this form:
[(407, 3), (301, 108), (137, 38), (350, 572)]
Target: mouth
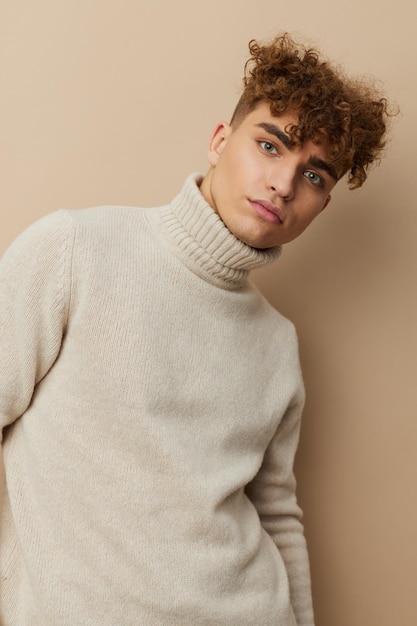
[(267, 211)]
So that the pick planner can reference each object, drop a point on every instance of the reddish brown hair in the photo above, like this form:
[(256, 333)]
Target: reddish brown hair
[(349, 116)]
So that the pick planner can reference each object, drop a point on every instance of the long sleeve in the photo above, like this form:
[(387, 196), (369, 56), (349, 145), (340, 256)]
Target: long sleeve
[(34, 287), (273, 494), (144, 382)]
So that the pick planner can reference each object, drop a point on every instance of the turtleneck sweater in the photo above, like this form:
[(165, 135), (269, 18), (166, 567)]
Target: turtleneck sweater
[(150, 403)]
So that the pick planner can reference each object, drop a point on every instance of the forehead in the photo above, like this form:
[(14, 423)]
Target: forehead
[(285, 122), (261, 116), (262, 112)]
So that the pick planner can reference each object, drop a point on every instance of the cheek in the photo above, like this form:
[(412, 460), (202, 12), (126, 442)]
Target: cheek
[(227, 175), (310, 216)]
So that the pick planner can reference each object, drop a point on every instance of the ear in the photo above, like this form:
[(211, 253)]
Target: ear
[(217, 142), (327, 202)]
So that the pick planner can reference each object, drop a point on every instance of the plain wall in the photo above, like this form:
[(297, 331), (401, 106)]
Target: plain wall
[(106, 102)]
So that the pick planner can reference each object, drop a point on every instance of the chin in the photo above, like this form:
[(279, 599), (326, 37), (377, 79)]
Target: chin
[(256, 242), (251, 230)]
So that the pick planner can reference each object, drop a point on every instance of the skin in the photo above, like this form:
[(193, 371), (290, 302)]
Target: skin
[(264, 189)]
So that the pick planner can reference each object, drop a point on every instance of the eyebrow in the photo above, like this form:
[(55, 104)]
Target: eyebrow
[(325, 166), (272, 129), (278, 133)]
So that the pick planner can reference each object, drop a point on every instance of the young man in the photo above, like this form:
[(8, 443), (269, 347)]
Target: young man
[(150, 398)]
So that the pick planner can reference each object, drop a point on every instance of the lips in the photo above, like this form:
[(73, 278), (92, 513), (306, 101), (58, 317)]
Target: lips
[(268, 211)]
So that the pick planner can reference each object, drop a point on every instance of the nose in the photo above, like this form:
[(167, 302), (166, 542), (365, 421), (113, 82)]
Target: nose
[(283, 181)]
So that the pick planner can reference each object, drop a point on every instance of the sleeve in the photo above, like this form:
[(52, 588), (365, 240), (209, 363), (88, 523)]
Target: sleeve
[(34, 300), (273, 493)]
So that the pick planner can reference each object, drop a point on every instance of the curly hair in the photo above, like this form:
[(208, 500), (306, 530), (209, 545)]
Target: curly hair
[(348, 115)]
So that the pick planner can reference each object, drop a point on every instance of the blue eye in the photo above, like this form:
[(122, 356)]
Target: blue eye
[(268, 147), (313, 178)]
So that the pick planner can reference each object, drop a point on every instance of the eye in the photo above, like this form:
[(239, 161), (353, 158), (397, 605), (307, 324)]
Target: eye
[(314, 178), (268, 147)]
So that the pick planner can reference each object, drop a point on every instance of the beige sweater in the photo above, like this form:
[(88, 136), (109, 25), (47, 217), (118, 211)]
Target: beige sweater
[(150, 399)]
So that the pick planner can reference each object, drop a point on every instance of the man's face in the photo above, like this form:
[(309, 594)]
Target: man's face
[(265, 190)]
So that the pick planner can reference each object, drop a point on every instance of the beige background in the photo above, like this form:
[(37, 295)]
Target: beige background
[(112, 101)]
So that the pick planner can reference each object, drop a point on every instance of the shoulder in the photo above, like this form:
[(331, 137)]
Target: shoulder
[(56, 237), (276, 339), (274, 323), (35, 272), (108, 225), (48, 237)]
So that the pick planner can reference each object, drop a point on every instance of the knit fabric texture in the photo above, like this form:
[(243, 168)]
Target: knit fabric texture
[(150, 403)]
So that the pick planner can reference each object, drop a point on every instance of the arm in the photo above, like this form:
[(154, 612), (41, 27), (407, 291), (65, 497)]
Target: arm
[(273, 493), (34, 285)]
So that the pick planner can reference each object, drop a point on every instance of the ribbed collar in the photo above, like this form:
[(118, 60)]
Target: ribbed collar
[(199, 237)]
